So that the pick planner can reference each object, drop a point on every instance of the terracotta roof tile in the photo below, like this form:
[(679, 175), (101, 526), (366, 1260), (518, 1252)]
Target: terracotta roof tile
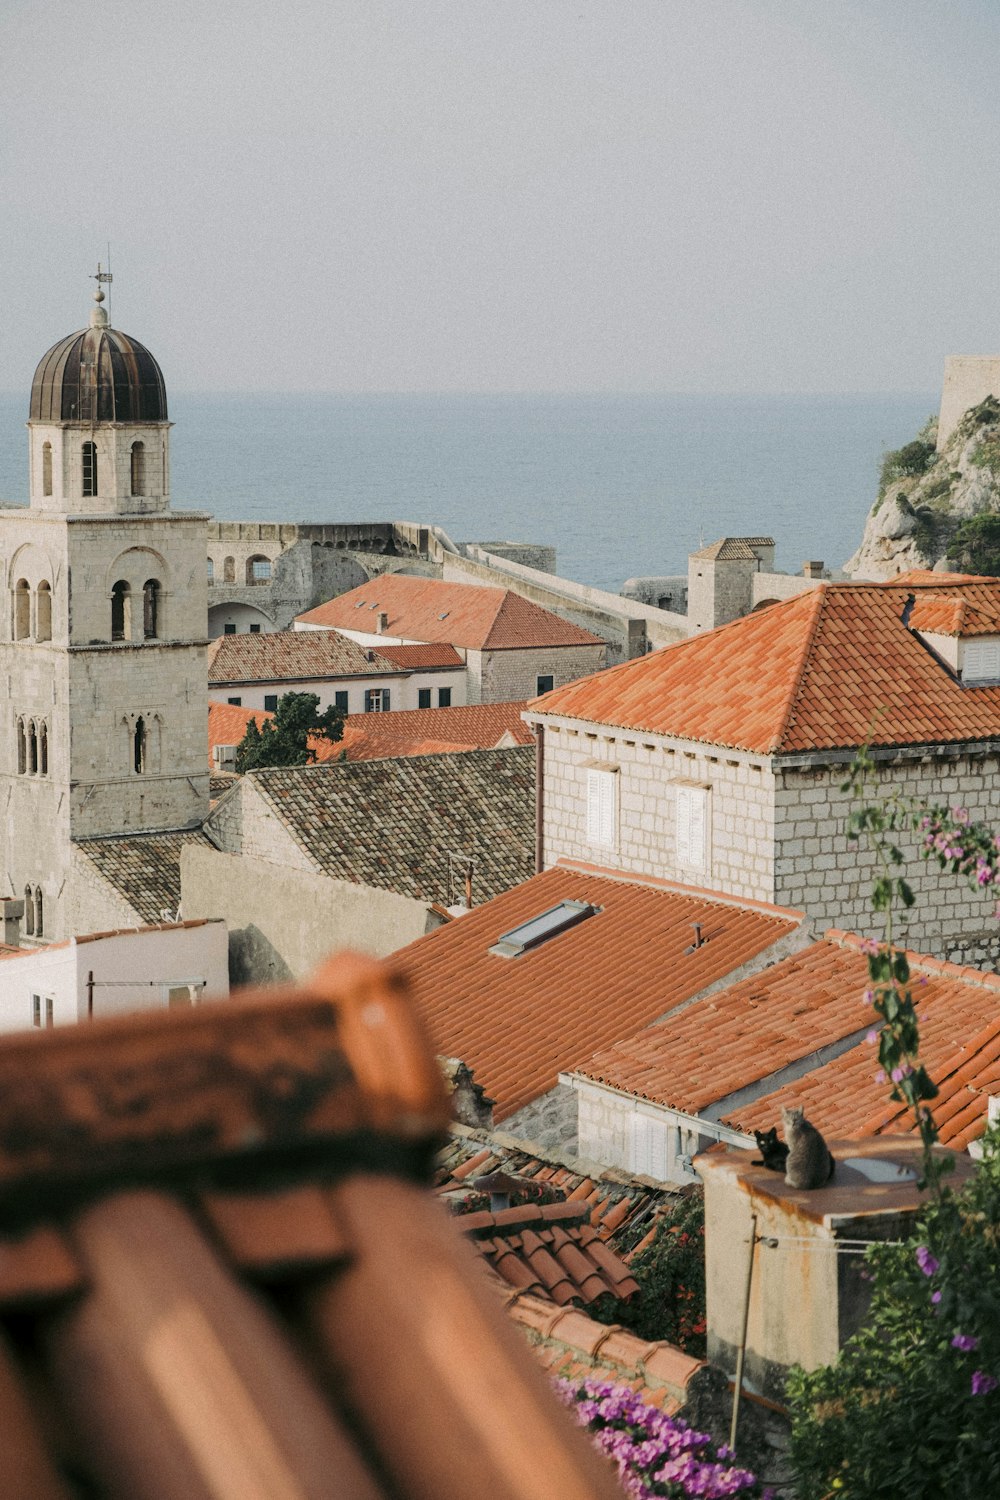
[(960, 1012), (461, 614), (943, 614), (550, 1249), (399, 1372), (411, 731), (518, 1022), (730, 548), (423, 658), (809, 673)]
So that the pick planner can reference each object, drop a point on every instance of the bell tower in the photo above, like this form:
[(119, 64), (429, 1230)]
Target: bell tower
[(103, 636)]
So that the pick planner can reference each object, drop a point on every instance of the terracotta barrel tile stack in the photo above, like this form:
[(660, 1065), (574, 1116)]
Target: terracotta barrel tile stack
[(224, 1276)]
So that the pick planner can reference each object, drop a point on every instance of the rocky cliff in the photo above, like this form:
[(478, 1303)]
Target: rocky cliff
[(937, 508)]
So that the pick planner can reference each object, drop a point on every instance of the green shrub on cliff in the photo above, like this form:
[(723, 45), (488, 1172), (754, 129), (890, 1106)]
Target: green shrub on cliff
[(975, 546)]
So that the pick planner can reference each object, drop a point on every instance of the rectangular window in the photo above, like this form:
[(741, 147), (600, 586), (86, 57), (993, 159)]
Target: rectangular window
[(423, 697), (36, 1010), (270, 703), (340, 702), (692, 827), (229, 629), (236, 702), (444, 697), (544, 684), (255, 630), (377, 701), (48, 1010), (602, 807)]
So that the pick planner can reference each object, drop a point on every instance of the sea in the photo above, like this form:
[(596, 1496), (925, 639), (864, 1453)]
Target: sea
[(620, 485)]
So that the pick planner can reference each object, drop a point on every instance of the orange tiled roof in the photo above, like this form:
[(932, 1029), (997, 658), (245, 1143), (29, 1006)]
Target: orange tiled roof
[(479, 726), (809, 673), (409, 731), (519, 1022), (958, 1007), (965, 1082), (755, 1027), (551, 1250), (423, 658), (944, 614), (461, 614)]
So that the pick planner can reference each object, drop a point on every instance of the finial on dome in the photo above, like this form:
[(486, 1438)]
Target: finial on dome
[(98, 314)]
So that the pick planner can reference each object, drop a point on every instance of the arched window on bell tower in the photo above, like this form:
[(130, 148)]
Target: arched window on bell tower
[(43, 612), (32, 748), (150, 609), (89, 462), (121, 612), (39, 913), (29, 911), (22, 749), (22, 610), (139, 746), (46, 468), (138, 468)]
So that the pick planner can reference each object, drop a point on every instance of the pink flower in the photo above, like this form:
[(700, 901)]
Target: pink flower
[(871, 1038), (868, 945)]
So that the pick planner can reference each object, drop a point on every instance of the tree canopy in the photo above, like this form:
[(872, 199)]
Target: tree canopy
[(284, 739)]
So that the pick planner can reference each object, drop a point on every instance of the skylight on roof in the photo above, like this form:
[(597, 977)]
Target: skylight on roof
[(548, 924)]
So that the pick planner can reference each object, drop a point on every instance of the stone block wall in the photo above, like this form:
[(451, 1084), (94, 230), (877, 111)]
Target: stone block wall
[(817, 868), (741, 806), (510, 676), (609, 1131)]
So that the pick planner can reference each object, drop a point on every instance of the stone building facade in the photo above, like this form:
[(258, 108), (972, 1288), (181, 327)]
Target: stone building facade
[(102, 638), (770, 823)]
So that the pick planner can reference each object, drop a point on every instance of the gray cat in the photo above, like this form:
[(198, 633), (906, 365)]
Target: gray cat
[(809, 1163)]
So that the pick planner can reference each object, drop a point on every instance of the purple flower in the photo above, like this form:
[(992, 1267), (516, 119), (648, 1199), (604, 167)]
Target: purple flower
[(871, 1038), (868, 945), (880, 1076), (927, 1262), (903, 1071), (982, 1383), (935, 1296), (965, 1342)]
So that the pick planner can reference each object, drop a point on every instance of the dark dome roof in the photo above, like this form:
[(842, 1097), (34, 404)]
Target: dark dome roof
[(98, 375)]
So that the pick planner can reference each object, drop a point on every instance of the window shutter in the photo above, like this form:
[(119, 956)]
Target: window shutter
[(601, 808), (385, 700), (982, 661), (692, 830)]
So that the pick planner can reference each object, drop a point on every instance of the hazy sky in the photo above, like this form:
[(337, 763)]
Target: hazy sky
[(490, 195)]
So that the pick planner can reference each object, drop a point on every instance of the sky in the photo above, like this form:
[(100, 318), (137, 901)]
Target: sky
[(752, 196)]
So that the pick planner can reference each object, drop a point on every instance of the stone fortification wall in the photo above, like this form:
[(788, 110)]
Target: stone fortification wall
[(968, 379), (739, 848), (284, 923), (528, 554), (630, 629), (817, 869)]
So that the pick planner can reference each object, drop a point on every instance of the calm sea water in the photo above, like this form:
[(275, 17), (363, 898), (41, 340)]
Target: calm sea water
[(620, 485)]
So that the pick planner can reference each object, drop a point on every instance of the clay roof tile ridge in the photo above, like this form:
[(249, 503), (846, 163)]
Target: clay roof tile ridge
[(787, 718)]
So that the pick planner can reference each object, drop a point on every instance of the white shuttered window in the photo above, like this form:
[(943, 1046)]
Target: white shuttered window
[(982, 661), (692, 827), (649, 1146), (602, 808)]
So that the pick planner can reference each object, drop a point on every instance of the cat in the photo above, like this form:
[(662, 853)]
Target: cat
[(809, 1163), (773, 1153)]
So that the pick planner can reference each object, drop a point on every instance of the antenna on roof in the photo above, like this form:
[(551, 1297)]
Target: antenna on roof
[(103, 279)]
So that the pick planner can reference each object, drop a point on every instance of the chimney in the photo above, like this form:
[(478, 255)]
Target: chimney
[(381, 622), (500, 1185), (224, 757), (812, 570), (13, 911)]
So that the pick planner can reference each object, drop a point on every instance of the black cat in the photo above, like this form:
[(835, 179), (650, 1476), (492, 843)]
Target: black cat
[(773, 1153)]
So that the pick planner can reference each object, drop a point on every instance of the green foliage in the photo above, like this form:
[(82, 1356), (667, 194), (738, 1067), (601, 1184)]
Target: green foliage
[(907, 462), (284, 739), (670, 1302), (912, 1407), (976, 544)]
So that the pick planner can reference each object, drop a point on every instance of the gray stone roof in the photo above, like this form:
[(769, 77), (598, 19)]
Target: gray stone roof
[(731, 548), (394, 823), (290, 655), (144, 867)]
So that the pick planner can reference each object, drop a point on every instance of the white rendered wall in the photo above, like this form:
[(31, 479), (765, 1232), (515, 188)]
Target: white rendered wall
[(129, 960), (403, 690)]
